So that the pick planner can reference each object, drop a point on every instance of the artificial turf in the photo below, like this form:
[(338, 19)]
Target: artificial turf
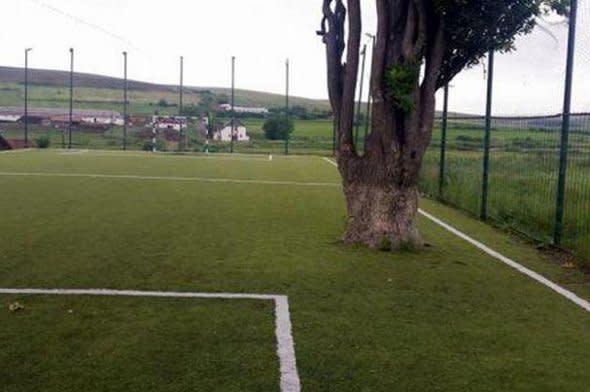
[(446, 319)]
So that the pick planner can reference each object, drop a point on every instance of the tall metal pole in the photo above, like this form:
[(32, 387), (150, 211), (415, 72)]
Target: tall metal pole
[(233, 97), (125, 102), (26, 119), (334, 141), (565, 130), (181, 97), (180, 103), (358, 109), (71, 97), (287, 136), (369, 97), (443, 142), (487, 139)]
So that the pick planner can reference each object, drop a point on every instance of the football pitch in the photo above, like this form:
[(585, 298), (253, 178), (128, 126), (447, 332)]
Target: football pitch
[(153, 272)]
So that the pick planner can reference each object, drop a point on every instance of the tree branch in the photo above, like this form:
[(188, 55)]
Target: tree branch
[(332, 31), (350, 78)]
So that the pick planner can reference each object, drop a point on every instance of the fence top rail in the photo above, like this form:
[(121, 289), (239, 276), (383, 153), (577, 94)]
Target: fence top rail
[(513, 118)]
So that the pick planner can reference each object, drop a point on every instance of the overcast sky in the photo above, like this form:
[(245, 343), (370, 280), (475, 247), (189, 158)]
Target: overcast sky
[(261, 34)]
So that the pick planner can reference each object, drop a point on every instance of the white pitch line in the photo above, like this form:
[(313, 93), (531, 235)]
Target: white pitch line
[(187, 157), (161, 178), (16, 151), (509, 262), (331, 162), (212, 156), (74, 152), (290, 381)]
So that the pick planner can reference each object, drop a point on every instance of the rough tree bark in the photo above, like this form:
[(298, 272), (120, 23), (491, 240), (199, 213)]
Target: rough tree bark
[(381, 185)]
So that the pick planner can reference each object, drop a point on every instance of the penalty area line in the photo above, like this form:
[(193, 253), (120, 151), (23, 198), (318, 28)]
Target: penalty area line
[(569, 295), (289, 382)]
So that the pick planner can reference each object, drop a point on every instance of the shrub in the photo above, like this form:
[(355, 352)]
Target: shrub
[(148, 145), (43, 141), (277, 127)]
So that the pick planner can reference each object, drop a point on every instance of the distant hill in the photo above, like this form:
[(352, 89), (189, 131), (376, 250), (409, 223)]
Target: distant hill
[(52, 78)]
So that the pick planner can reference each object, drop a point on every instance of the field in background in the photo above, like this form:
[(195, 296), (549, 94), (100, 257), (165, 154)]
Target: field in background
[(309, 137), (524, 168), (449, 318)]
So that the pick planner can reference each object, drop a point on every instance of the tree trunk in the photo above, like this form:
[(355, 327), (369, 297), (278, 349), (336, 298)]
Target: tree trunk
[(381, 185), (381, 216)]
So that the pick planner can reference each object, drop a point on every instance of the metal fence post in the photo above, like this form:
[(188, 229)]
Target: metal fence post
[(26, 118), (334, 139), (370, 96), (360, 102), (233, 103), (487, 139), (287, 117), (125, 101), (563, 154), (443, 142), (71, 98), (180, 102)]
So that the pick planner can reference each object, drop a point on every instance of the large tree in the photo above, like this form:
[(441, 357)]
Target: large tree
[(420, 46)]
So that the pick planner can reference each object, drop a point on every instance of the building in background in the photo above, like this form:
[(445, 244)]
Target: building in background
[(226, 107), (240, 133), (175, 123), (57, 117)]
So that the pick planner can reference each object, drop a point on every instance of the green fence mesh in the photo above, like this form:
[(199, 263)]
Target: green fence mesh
[(524, 168)]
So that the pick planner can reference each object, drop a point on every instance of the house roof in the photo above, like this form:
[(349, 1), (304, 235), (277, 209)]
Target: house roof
[(237, 123)]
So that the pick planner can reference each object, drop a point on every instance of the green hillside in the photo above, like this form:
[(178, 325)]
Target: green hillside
[(51, 89)]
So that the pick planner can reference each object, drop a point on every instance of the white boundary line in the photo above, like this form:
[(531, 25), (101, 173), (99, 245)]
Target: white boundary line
[(161, 178), (331, 162), (199, 155), (283, 328), (74, 152), (16, 151), (509, 262), (150, 155)]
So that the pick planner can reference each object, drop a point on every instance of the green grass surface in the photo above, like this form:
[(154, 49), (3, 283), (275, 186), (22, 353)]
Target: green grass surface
[(447, 319), (105, 344)]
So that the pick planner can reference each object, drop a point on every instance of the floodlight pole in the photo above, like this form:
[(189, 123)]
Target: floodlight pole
[(181, 97), (565, 130), (443, 142), (125, 100), (180, 105), (71, 97), (369, 98), (26, 119), (358, 109), (233, 96), (287, 136), (487, 139)]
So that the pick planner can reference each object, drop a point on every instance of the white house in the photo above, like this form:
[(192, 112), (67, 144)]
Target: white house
[(239, 132), (104, 120)]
